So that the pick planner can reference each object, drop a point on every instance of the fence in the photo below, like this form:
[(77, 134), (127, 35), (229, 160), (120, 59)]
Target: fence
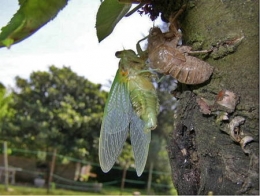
[(63, 176)]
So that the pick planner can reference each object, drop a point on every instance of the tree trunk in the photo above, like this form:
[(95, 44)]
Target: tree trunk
[(203, 157)]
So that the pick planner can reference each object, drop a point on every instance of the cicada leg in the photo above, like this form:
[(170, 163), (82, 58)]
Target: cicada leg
[(174, 26), (187, 49), (142, 54), (161, 79)]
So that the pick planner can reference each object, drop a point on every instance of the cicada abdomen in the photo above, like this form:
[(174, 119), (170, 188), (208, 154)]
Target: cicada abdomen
[(166, 57), (144, 100)]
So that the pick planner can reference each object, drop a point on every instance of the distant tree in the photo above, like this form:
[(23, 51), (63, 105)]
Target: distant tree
[(1, 86), (57, 109)]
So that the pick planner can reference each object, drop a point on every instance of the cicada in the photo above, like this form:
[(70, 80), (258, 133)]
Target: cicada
[(131, 108), (168, 58)]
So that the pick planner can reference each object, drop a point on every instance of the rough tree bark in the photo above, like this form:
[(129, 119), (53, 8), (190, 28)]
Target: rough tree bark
[(203, 157)]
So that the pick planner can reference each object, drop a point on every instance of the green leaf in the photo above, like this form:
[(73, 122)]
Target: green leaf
[(31, 16), (109, 14)]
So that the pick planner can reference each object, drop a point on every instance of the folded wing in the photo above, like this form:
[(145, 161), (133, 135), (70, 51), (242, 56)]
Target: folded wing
[(140, 141), (115, 125)]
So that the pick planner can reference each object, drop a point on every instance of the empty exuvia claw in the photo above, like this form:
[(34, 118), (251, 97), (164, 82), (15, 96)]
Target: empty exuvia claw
[(244, 141), (234, 130)]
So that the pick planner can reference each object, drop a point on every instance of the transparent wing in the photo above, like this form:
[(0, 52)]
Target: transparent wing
[(115, 124), (140, 141)]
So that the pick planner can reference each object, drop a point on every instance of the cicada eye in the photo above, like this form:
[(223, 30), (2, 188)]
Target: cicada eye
[(118, 54)]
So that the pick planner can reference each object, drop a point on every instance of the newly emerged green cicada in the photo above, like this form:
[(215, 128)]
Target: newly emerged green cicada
[(132, 107)]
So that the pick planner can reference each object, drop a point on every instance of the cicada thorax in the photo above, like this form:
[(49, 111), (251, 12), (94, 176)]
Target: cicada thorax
[(166, 57), (144, 100)]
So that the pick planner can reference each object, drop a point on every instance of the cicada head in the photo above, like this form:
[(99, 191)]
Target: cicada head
[(130, 60), (155, 31)]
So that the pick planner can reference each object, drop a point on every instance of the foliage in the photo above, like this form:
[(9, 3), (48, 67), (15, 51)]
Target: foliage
[(126, 159), (5, 100), (33, 14), (109, 14), (57, 109), (5, 111), (30, 17)]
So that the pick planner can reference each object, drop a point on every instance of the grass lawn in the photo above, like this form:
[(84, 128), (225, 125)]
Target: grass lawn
[(29, 190)]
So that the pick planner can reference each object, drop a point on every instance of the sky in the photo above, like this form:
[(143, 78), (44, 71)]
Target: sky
[(70, 40)]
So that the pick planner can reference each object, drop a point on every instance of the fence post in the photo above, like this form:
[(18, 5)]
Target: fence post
[(150, 178), (123, 178), (6, 165), (52, 169)]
